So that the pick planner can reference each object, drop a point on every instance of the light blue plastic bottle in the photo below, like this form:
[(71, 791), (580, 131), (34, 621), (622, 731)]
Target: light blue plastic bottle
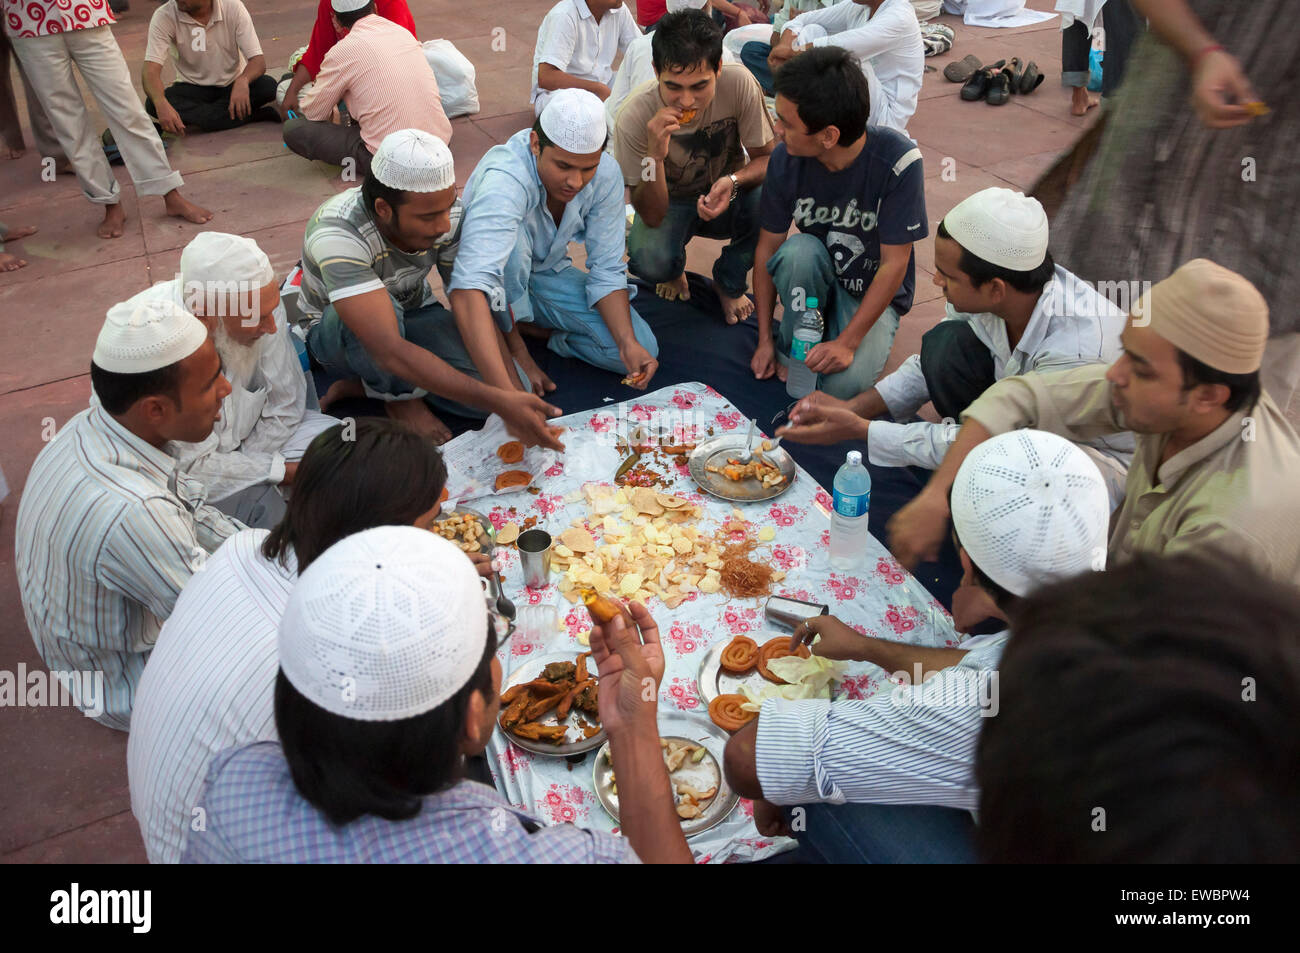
[(852, 489)]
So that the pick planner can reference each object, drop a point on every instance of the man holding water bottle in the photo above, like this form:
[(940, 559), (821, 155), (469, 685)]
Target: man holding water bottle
[(856, 194)]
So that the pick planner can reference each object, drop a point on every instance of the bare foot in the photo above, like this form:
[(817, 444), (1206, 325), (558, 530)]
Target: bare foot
[(677, 289), (181, 207), (1081, 101), (7, 152), (64, 168), (340, 390), (11, 262), (22, 231), (782, 372), (114, 222), (417, 415), (736, 309)]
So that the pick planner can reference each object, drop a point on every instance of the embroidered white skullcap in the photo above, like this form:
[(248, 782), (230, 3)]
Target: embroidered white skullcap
[(574, 119), (414, 161), (1030, 507), (1003, 227), (218, 259), (675, 6), (387, 624), (147, 332), (348, 6)]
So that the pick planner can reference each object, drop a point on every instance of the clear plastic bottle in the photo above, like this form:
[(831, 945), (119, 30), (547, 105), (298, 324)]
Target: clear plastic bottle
[(808, 331), (849, 522)]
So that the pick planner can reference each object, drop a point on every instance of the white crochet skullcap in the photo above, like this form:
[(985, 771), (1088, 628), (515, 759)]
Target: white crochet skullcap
[(347, 6), (1003, 227), (1030, 507), (147, 332), (414, 161), (387, 624), (574, 119), (216, 259)]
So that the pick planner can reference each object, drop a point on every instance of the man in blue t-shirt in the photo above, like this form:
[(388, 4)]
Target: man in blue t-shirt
[(856, 194)]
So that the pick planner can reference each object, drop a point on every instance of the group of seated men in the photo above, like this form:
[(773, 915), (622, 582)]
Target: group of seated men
[(239, 715)]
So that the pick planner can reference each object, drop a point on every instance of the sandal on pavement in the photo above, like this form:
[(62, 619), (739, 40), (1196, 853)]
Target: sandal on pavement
[(1031, 79), (960, 70), (999, 90), (977, 86)]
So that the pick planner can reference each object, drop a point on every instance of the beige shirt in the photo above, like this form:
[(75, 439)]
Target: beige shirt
[(1235, 489), (211, 54), (704, 149)]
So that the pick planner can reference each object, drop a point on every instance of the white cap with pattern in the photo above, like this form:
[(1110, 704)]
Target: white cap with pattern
[(1003, 227), (348, 6), (1030, 507), (218, 258), (387, 624), (147, 332), (574, 119), (414, 161)]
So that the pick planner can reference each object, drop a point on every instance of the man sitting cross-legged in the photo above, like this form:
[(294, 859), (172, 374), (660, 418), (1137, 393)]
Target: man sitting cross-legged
[(855, 192), (366, 258), (577, 44), (681, 144)]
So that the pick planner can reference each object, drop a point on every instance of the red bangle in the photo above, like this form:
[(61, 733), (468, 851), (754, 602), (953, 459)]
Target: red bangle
[(1212, 48)]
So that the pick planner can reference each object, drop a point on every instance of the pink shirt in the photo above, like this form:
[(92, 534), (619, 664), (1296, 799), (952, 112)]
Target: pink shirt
[(380, 71), (28, 18)]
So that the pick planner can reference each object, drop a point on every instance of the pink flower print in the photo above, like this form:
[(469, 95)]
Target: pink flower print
[(857, 687), (521, 645), (789, 557), (682, 693), (563, 803), (730, 421), (578, 620), (640, 412), (538, 596), (546, 503), (498, 517), (516, 760), (889, 569), (685, 639), (601, 423), (824, 500), (740, 621), (685, 399), (825, 538), (844, 588), (747, 807), (712, 393), (902, 619), (803, 595), (557, 469)]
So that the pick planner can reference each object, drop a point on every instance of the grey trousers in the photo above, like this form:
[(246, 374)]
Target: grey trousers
[(330, 142)]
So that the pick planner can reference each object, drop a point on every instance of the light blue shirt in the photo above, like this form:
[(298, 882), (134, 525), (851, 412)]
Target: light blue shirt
[(508, 235)]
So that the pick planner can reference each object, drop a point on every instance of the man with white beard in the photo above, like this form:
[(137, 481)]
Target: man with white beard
[(227, 282)]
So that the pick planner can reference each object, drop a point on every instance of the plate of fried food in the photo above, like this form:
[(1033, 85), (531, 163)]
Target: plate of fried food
[(692, 750), (742, 661), (719, 467), (549, 706), (469, 529)]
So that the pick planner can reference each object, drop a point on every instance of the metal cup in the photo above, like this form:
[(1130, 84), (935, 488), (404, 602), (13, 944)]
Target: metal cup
[(788, 613), (534, 547)]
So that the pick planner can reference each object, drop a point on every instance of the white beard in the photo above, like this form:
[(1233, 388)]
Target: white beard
[(239, 361)]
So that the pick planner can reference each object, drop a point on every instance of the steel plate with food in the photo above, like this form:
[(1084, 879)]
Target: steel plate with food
[(549, 705), (719, 467), (731, 667), (469, 529)]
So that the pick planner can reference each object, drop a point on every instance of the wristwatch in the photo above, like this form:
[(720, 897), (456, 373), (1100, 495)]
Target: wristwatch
[(735, 186)]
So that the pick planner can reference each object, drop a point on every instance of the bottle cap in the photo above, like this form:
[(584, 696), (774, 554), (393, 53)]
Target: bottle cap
[(812, 302), (854, 458)]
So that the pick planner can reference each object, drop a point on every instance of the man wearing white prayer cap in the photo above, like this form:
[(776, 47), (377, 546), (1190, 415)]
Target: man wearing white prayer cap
[(577, 43), (1011, 309), (226, 281), (109, 527), (525, 202), (378, 329), (891, 779), (1215, 464)]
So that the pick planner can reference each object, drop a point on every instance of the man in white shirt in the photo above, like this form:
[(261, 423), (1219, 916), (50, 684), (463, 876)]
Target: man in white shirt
[(576, 47), (895, 772), (1011, 310), (227, 282), (885, 37)]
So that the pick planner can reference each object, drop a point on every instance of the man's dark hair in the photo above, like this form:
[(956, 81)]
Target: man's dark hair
[(828, 89), (1243, 389), (982, 272), (372, 189), (1164, 693), (543, 140), (1003, 599), (348, 768), (352, 16), (118, 392), (387, 475), (685, 39)]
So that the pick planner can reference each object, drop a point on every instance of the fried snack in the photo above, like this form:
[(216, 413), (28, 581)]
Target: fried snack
[(511, 452), (632, 379), (740, 655), (778, 647), (1257, 108), (465, 530), (605, 610), (762, 470), (513, 478), (507, 534), (555, 734), (727, 714), (687, 116)]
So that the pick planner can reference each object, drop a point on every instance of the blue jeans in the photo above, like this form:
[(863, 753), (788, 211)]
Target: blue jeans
[(885, 834), (559, 300), (659, 254), (754, 55), (802, 261)]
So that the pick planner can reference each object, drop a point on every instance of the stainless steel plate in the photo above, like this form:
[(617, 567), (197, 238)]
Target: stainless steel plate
[(482, 519), (715, 453), (714, 680), (706, 774), (526, 672)]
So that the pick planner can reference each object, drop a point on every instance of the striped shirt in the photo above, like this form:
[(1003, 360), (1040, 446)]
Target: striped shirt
[(108, 534), (912, 745), (209, 686), (254, 814), (380, 70)]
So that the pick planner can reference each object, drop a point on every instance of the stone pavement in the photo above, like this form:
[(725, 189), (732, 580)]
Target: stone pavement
[(65, 794)]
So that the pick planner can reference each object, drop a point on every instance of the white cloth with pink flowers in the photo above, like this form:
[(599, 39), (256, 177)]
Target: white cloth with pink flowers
[(880, 599)]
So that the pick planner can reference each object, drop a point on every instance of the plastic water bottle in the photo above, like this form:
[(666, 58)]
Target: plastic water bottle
[(849, 522), (800, 382)]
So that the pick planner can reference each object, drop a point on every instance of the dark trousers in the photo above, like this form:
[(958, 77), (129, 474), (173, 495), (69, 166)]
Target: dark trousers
[(957, 367), (754, 55), (659, 254), (207, 108), (330, 142), (1122, 24)]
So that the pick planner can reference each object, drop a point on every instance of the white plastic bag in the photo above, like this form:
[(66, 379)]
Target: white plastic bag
[(455, 74)]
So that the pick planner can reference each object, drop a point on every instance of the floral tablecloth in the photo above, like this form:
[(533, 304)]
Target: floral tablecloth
[(879, 599)]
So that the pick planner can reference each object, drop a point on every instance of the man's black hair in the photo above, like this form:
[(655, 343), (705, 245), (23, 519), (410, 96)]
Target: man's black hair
[(1243, 389), (372, 189), (1147, 714), (349, 768), (982, 272), (827, 88), (351, 17), (685, 39), (384, 475), (119, 392), (543, 140)]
